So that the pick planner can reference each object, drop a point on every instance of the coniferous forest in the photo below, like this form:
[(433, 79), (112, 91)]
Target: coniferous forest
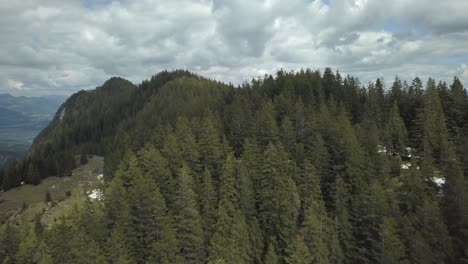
[(300, 167)]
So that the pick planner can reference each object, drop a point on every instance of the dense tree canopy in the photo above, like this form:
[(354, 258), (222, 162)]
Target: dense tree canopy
[(301, 167)]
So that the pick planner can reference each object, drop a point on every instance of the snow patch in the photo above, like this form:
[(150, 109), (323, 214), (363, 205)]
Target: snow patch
[(439, 181), (381, 149), (409, 150), (22, 183), (95, 194), (406, 165), (101, 177)]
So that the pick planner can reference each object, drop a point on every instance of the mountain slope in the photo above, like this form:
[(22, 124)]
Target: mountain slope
[(300, 167)]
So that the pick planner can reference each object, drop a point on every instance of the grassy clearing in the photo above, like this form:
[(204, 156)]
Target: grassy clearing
[(24, 202)]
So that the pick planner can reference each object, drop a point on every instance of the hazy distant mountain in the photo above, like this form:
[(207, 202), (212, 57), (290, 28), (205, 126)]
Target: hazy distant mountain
[(21, 119), (32, 106)]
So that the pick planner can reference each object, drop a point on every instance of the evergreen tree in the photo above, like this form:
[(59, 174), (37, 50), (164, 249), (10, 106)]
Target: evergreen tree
[(453, 202), (83, 158), (128, 169), (267, 129), (396, 132), (208, 205), (211, 149), (300, 167), (317, 227), (287, 134), (188, 145), (278, 199), (392, 249), (188, 221), (155, 166), (271, 256), (9, 244), (299, 252), (152, 235), (230, 240)]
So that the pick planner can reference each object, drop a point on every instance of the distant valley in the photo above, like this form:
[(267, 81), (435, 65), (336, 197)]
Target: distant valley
[(21, 119)]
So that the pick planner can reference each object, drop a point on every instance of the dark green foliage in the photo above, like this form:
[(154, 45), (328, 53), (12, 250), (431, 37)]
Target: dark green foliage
[(278, 199), (48, 197), (9, 244), (300, 253), (188, 220), (395, 131), (230, 240), (301, 167), (152, 236), (83, 158)]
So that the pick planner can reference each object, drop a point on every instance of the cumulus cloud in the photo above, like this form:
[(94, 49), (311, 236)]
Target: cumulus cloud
[(17, 85), (59, 47)]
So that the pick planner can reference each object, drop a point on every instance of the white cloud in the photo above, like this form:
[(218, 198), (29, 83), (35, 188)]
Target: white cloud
[(62, 46), (17, 85)]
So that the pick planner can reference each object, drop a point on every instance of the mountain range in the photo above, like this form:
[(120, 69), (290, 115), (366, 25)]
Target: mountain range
[(21, 119)]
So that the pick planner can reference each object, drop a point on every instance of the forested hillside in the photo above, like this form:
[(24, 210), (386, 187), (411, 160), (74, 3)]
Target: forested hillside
[(301, 167)]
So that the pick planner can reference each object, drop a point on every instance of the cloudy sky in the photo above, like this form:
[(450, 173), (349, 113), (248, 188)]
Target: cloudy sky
[(59, 47)]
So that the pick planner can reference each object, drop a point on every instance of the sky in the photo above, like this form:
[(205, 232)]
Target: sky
[(60, 47)]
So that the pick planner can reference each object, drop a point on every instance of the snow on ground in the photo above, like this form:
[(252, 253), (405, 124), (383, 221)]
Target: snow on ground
[(95, 194), (409, 150), (406, 165), (101, 177), (439, 181), (381, 149)]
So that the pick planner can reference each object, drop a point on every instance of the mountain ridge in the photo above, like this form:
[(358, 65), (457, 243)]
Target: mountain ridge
[(284, 169)]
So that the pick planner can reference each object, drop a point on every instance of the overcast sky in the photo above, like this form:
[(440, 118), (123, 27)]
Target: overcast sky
[(60, 47)]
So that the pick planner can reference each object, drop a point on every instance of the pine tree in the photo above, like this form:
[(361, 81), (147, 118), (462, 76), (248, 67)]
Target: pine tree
[(287, 134), (316, 226), (396, 132), (208, 201), (33, 175), (435, 134), (392, 249), (128, 169), (422, 228), (458, 107), (342, 217), (155, 166), (83, 158), (172, 153), (117, 249), (188, 220), (27, 247), (278, 199), (453, 203), (188, 145), (211, 148), (299, 252), (246, 191), (267, 129), (230, 240), (152, 234), (271, 256), (251, 160), (9, 244)]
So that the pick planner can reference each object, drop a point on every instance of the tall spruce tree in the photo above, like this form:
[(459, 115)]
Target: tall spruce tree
[(278, 199), (188, 221)]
